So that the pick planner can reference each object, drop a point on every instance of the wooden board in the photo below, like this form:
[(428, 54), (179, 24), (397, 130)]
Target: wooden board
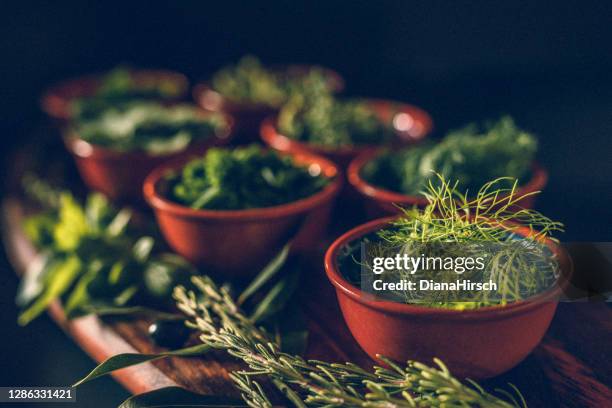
[(570, 368)]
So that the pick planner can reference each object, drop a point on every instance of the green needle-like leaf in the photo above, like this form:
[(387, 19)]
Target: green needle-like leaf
[(269, 271), (277, 297)]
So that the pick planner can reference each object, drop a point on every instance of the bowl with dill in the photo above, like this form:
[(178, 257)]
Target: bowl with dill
[(232, 209), (115, 151), (250, 91), (480, 332), (390, 179)]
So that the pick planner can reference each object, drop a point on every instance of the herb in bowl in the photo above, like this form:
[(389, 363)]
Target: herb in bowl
[(246, 177), (250, 82), (510, 243), (313, 115), (121, 87), (154, 128), (494, 327), (471, 155)]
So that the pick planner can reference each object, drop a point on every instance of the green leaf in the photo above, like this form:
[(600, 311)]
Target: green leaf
[(161, 146), (126, 295), (130, 359), (169, 397), (72, 225), (291, 395), (32, 283), (277, 297), (271, 269), (59, 280), (80, 294), (97, 209), (119, 223), (142, 248), (39, 228), (206, 197), (117, 269), (106, 308)]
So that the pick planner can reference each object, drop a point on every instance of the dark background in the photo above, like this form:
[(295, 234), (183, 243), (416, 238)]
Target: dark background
[(546, 63)]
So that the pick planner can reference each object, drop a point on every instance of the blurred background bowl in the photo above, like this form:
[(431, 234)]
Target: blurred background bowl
[(121, 174), (379, 202), (250, 115), (410, 123), (56, 100)]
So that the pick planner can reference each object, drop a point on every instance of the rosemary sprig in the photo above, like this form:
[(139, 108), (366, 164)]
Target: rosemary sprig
[(311, 383)]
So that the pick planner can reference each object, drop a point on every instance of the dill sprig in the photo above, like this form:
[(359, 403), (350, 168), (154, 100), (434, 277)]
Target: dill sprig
[(451, 216), (312, 383), (457, 226)]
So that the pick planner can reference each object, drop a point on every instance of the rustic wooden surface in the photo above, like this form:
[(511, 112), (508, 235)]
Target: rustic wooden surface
[(570, 368)]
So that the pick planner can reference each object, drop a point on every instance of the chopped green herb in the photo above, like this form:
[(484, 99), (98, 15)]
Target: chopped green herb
[(247, 177), (154, 128), (313, 115), (470, 155)]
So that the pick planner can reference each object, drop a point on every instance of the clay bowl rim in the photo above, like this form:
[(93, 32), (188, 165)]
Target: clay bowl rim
[(273, 138), (160, 203), (86, 150), (537, 182), (200, 88), (55, 100), (494, 312)]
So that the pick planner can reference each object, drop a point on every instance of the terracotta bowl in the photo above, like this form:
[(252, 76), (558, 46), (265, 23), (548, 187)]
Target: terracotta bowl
[(379, 202), (411, 125), (250, 115), (235, 244), (57, 99), (478, 343), (120, 175)]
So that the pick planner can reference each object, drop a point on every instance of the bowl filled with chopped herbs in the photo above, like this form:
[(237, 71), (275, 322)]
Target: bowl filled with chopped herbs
[(315, 120), (115, 151), (458, 280), (88, 96), (251, 91), (390, 179), (231, 210)]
